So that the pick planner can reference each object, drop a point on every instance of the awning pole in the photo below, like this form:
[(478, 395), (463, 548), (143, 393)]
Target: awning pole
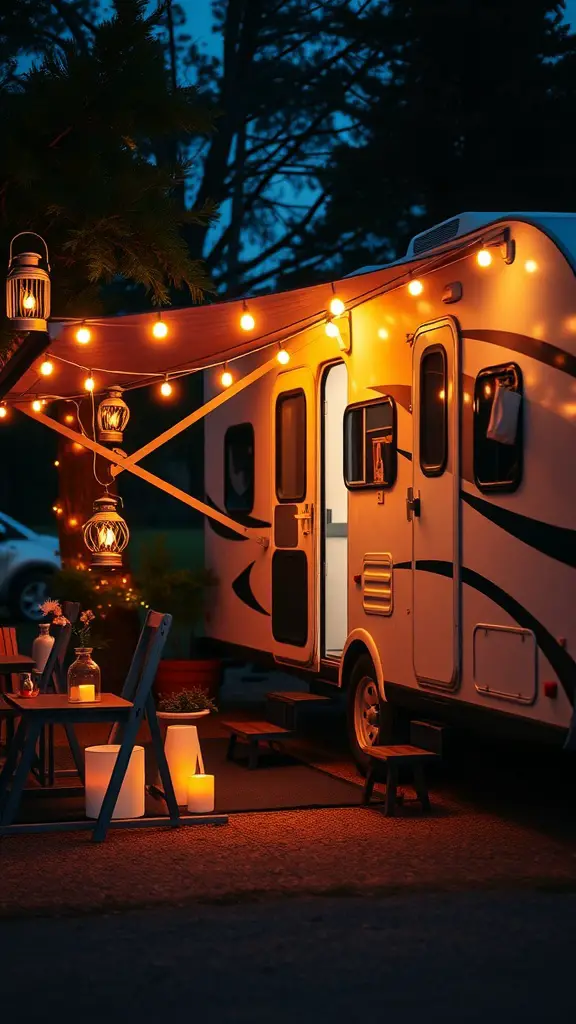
[(143, 474), (195, 416)]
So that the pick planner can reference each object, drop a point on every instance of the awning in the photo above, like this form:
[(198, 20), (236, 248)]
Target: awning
[(123, 350)]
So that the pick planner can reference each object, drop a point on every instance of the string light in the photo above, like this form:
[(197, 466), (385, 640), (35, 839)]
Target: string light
[(89, 382), (283, 356), (68, 418), (331, 329), (530, 266), (83, 335), (72, 522), (484, 258), (226, 379), (56, 462), (247, 321), (415, 287), (37, 405), (3, 412), (46, 368), (337, 307), (160, 329), (383, 334), (166, 387)]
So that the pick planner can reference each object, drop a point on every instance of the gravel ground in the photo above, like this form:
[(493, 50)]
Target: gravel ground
[(447, 958)]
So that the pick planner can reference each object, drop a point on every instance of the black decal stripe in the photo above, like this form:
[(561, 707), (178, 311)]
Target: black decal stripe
[(401, 393), (563, 665), (556, 541), (243, 590), (239, 517), (407, 455), (543, 351)]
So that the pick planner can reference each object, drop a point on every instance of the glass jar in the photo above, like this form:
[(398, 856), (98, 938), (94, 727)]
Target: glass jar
[(83, 678)]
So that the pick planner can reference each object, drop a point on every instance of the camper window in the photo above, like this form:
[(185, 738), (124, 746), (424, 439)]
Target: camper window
[(433, 412), (370, 444), (497, 466), (239, 468), (291, 446)]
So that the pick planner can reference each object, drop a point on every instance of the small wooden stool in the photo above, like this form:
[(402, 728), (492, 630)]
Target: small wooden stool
[(385, 761), (253, 733)]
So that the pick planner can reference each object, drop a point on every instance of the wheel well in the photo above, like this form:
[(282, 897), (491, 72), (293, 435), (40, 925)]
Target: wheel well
[(355, 650)]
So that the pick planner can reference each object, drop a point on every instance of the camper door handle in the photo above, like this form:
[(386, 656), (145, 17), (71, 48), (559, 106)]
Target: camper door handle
[(305, 517), (412, 505)]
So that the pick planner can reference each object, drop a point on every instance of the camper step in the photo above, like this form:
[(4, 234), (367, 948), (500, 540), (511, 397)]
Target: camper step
[(253, 733), (282, 706), (384, 764)]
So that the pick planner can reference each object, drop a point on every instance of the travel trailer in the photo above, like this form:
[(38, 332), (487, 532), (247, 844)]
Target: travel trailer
[(415, 483)]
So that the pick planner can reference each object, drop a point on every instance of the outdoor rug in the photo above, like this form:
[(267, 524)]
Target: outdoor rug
[(281, 782)]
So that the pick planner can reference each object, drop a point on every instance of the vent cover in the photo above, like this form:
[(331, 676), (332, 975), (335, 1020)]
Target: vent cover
[(377, 584), (436, 236)]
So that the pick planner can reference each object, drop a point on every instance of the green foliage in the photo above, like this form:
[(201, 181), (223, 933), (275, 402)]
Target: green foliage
[(186, 701), (180, 592), (90, 591)]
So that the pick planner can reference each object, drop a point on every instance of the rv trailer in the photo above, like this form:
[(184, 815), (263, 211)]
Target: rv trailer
[(416, 482)]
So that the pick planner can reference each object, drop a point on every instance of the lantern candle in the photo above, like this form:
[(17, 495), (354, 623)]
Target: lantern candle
[(200, 793)]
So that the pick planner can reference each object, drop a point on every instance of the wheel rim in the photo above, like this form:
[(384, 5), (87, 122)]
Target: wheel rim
[(367, 712), (31, 597)]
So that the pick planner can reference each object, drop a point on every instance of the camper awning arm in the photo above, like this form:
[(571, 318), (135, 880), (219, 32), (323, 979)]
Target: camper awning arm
[(156, 481), (130, 461)]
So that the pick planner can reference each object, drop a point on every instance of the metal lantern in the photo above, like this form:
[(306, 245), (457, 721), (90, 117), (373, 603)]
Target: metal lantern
[(113, 415), (28, 289), (106, 534)]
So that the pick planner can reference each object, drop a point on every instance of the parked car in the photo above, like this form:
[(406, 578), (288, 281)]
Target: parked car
[(27, 561)]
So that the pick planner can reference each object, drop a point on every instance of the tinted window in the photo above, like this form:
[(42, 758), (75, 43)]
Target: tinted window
[(497, 466), (291, 446), (370, 455), (239, 468), (433, 412)]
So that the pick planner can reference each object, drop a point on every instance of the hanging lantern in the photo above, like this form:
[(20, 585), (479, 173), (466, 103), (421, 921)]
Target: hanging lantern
[(113, 415), (106, 534), (28, 289)]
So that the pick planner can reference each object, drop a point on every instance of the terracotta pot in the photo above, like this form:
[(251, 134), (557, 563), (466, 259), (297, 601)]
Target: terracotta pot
[(202, 674)]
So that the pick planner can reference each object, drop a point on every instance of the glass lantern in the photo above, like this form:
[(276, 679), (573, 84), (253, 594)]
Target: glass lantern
[(28, 289), (113, 415), (106, 534), (84, 686)]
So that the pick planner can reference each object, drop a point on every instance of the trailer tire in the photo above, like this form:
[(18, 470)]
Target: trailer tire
[(364, 710)]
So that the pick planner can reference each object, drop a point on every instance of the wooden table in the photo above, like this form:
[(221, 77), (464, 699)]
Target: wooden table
[(15, 663)]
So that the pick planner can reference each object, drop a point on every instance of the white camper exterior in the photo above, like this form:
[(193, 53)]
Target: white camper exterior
[(414, 559)]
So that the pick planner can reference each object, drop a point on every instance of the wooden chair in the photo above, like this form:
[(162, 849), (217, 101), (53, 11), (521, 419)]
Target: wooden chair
[(126, 713)]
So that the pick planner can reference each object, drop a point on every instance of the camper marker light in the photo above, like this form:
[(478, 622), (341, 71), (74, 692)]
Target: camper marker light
[(530, 266), (383, 334), (337, 307), (247, 321), (83, 335), (483, 258), (89, 382), (46, 368), (283, 356), (415, 287), (37, 405), (160, 329), (166, 388), (332, 329), (226, 379)]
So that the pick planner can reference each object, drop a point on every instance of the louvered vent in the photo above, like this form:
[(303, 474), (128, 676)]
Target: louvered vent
[(436, 236), (377, 584)]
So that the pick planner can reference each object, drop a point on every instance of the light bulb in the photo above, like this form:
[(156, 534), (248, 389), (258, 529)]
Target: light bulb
[(383, 334), (72, 522), (56, 462), (3, 412), (331, 330), (160, 330), (484, 258), (530, 266), (89, 383), (226, 379), (415, 287), (166, 389), (337, 307), (283, 357), (29, 302), (68, 418), (247, 322), (83, 335), (46, 368), (37, 405)]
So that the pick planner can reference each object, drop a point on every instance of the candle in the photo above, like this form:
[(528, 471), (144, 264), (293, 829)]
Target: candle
[(83, 694), (200, 793)]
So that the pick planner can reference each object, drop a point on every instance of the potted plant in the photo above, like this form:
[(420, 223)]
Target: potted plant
[(186, 705), (183, 594)]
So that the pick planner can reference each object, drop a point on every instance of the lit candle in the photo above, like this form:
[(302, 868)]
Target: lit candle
[(200, 793), (83, 694)]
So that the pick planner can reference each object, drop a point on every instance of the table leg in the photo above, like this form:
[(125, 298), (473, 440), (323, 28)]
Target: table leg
[(21, 773)]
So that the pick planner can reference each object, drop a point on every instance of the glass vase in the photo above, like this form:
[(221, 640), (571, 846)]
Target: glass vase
[(42, 646), (83, 678)]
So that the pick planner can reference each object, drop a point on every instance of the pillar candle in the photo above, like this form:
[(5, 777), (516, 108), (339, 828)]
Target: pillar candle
[(83, 694), (100, 763), (201, 793)]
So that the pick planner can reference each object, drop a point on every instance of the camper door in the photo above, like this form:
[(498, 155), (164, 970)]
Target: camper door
[(294, 543), (433, 505)]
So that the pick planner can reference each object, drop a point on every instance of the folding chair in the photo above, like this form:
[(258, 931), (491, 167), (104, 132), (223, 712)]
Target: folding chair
[(126, 713)]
